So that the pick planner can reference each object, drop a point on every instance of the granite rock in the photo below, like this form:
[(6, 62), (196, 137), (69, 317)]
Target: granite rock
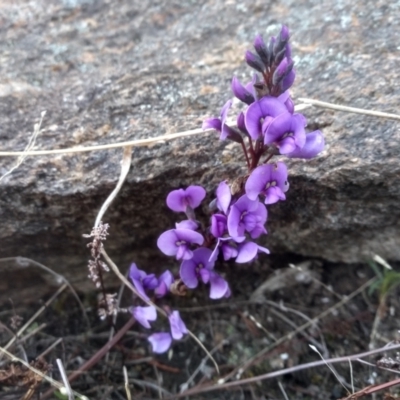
[(107, 73)]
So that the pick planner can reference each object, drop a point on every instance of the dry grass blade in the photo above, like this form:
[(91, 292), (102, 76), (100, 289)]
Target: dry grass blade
[(67, 386), (126, 164), (126, 383), (353, 110), (241, 368), (25, 262), (41, 309), (53, 382), (28, 148)]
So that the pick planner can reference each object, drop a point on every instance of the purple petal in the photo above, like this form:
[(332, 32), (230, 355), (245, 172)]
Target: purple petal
[(165, 281), (167, 242), (212, 123), (287, 101), (137, 276), (218, 225), (257, 181), (288, 80), (218, 286), (178, 327), (259, 110), (160, 342), (175, 241), (189, 236), (184, 253), (254, 61), (274, 194), (314, 145), (241, 92), (179, 199), (223, 196), (234, 219), (228, 252), (204, 275), (202, 257), (144, 314), (187, 224), (176, 200), (195, 195), (188, 273), (150, 282), (135, 272), (247, 252)]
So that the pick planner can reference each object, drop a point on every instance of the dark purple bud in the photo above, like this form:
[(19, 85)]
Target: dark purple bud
[(240, 122), (279, 56), (254, 61), (241, 92), (283, 70), (262, 50), (231, 134), (282, 40), (288, 81)]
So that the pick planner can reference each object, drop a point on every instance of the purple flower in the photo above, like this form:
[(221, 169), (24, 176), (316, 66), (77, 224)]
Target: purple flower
[(287, 132), (142, 281), (176, 242), (219, 124), (144, 314), (160, 341), (260, 113), (179, 200), (223, 197), (248, 251), (247, 215), (178, 327), (269, 180), (164, 282), (199, 267), (314, 145)]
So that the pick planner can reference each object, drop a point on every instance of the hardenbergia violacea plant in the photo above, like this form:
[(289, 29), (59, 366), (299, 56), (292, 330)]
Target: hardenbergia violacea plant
[(268, 126)]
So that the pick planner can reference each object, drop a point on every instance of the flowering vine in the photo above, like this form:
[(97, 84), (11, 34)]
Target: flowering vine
[(267, 127)]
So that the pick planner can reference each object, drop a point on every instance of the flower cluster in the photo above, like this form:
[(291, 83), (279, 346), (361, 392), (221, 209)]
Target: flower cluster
[(271, 127)]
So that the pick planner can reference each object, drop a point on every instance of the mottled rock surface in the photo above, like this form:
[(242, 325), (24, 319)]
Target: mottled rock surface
[(109, 71)]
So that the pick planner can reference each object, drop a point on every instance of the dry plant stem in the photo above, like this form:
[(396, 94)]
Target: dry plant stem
[(48, 302), (65, 379), (126, 164), (29, 146), (116, 270), (133, 143), (240, 369), (380, 314), (192, 132), (97, 356), (50, 348), (56, 384), (275, 374), (354, 110), (126, 383), (26, 261)]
